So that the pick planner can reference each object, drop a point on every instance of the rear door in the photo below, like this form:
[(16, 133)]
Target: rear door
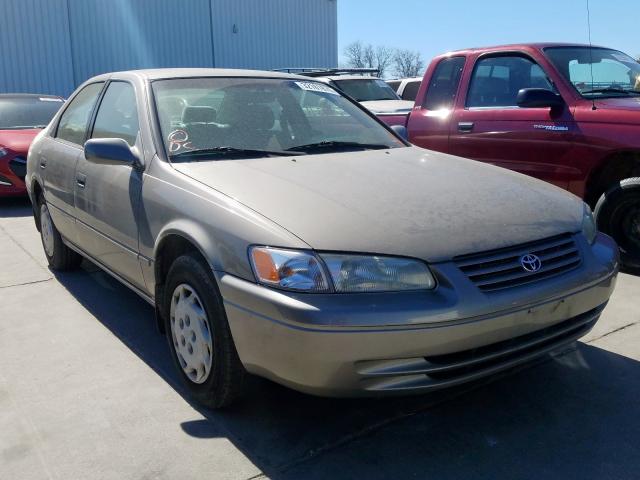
[(489, 126), (428, 126), (108, 196), (59, 156)]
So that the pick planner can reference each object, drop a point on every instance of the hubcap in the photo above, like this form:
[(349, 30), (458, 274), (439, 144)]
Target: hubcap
[(191, 333), (631, 225), (46, 230)]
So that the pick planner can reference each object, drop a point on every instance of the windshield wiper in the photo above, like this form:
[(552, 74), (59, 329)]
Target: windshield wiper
[(335, 144), (611, 90), (231, 151)]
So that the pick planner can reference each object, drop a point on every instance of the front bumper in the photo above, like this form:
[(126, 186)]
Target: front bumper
[(368, 344)]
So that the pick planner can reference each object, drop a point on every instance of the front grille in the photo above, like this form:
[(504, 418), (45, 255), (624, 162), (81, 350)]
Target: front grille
[(18, 166), (501, 268)]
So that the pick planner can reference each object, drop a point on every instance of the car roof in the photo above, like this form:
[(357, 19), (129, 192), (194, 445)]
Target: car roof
[(520, 46), (168, 73), (28, 95)]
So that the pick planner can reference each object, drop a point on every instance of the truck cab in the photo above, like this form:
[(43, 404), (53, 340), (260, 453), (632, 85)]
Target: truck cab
[(565, 113)]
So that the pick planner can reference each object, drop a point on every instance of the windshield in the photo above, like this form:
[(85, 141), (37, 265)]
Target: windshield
[(614, 73), (367, 89), (215, 117), (27, 112)]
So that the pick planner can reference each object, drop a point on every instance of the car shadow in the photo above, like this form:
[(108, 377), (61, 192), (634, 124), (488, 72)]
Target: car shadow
[(573, 416), (13, 207)]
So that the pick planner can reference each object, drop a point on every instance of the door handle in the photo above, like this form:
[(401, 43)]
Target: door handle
[(81, 180), (43, 163), (465, 126)]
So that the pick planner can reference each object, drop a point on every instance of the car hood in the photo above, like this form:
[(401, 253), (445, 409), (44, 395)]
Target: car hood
[(624, 103), (403, 201), (388, 106), (18, 140)]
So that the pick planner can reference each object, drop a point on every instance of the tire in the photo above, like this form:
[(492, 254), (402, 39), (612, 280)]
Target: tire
[(191, 290), (59, 256), (618, 215)]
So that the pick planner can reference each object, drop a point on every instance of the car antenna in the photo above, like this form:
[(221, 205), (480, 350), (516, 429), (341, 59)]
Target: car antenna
[(593, 100)]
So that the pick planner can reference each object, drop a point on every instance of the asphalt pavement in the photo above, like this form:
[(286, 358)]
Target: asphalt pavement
[(88, 391)]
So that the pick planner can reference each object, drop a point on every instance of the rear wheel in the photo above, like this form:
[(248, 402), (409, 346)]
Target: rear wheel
[(198, 334), (618, 214), (59, 256)]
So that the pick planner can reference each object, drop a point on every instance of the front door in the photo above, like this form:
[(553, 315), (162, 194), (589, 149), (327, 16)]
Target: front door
[(489, 126), (108, 196)]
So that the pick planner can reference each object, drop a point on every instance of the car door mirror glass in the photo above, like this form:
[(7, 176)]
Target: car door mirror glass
[(109, 151)]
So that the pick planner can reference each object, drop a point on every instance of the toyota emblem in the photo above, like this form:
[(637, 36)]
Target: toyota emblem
[(530, 263)]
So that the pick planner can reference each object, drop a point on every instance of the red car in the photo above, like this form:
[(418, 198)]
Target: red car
[(567, 114), (22, 116)]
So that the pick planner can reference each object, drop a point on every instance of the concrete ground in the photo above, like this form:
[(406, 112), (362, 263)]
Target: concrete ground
[(87, 391)]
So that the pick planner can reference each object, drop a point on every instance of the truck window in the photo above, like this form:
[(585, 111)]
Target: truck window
[(444, 84), (394, 84), (411, 90), (496, 80)]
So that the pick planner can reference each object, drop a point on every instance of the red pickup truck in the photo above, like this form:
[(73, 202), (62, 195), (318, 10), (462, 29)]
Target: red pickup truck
[(568, 114)]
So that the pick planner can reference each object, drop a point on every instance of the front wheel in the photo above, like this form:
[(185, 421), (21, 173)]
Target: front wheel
[(59, 256), (618, 215), (198, 334)]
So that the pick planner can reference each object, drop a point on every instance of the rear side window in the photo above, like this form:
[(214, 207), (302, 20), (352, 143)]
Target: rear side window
[(73, 122), (443, 85), (394, 84), (117, 115), (411, 90), (496, 80)]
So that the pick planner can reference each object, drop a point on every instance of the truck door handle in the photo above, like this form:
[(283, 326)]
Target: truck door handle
[(43, 163), (81, 180), (465, 126)]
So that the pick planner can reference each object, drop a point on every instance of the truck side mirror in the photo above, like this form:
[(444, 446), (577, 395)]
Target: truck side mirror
[(538, 98)]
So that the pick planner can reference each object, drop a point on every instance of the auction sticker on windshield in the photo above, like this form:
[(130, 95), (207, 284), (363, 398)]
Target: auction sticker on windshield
[(316, 87)]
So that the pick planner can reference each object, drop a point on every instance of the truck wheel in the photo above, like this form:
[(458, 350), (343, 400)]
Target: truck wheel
[(59, 256), (198, 334), (618, 214)]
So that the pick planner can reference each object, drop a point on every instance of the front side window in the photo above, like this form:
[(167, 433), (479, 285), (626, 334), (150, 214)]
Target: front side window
[(367, 89), (256, 117), (496, 80), (18, 112), (597, 72), (117, 115), (443, 84), (73, 121)]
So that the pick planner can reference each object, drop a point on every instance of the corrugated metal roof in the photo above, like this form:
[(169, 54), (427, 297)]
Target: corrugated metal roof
[(51, 46)]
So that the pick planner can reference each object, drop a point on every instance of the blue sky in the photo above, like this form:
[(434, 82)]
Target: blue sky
[(434, 27)]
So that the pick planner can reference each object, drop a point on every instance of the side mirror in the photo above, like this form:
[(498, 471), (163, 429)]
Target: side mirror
[(109, 151), (538, 98), (401, 131)]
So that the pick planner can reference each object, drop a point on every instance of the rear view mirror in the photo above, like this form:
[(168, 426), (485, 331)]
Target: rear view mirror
[(538, 98), (109, 151), (401, 131)]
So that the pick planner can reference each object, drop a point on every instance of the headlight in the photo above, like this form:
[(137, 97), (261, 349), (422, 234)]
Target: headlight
[(364, 273), (3, 152), (307, 272), (589, 229), (288, 269)]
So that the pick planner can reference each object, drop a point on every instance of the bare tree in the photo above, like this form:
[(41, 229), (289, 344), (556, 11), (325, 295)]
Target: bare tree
[(384, 57), (369, 56), (354, 54), (408, 63)]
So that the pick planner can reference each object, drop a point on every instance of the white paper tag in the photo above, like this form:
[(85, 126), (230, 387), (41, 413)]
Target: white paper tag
[(316, 87)]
